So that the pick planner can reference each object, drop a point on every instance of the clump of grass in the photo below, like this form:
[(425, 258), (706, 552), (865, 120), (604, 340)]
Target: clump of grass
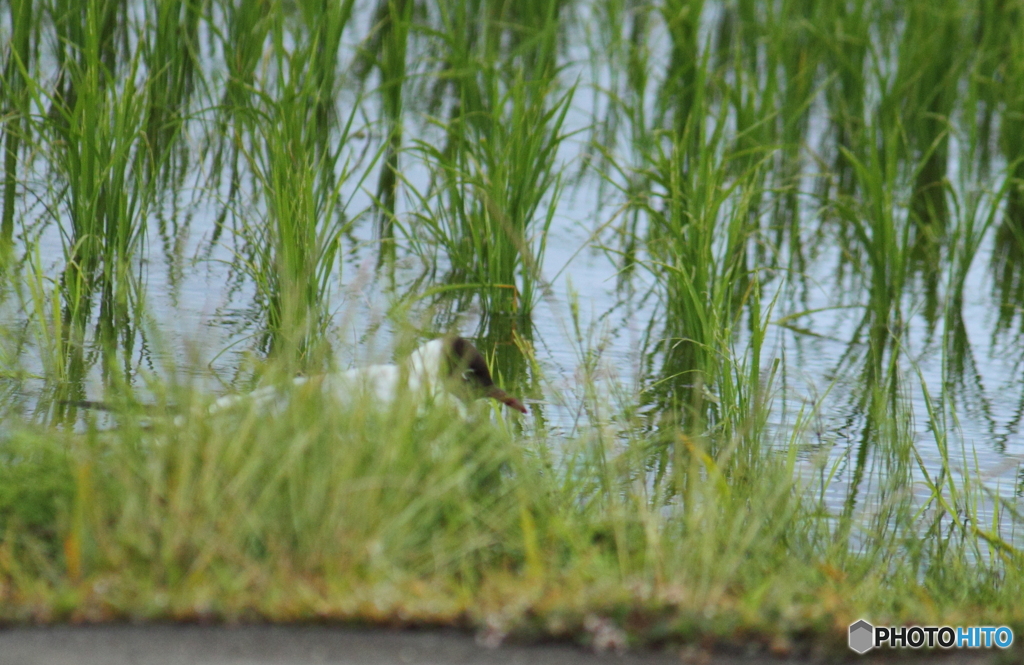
[(247, 31), (171, 51), (349, 511), (294, 248), (393, 34), (498, 188), (36, 487), (496, 181), (698, 221), (930, 59), (14, 100), (102, 202)]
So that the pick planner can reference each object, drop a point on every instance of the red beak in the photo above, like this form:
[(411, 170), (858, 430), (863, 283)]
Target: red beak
[(506, 399)]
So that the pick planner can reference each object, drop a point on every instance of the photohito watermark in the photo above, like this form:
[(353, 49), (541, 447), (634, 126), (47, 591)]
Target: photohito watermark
[(864, 636)]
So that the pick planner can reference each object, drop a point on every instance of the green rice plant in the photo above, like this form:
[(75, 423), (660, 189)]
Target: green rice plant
[(325, 23), (293, 248), (171, 53), (394, 34), (88, 35), (931, 61), (18, 63), (498, 187), (756, 132), (627, 131), (496, 174), (794, 45), (296, 246), (246, 34), (974, 214), (849, 44), (699, 207), (1006, 59), (306, 37), (698, 232), (886, 231), (1009, 54), (683, 80), (102, 203), (884, 236)]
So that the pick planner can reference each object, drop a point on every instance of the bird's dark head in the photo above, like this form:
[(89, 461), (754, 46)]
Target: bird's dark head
[(467, 366)]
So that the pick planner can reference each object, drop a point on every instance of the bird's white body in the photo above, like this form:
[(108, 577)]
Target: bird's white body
[(426, 377), (420, 378)]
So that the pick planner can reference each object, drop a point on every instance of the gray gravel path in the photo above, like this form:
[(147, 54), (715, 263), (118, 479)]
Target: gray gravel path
[(308, 645)]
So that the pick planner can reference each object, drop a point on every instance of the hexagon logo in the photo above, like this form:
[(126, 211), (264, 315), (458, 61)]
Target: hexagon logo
[(862, 636)]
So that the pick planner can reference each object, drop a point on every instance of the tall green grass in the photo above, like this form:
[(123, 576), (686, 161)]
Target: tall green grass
[(300, 162), (172, 56), (309, 513), (395, 18), (104, 199), (17, 65), (495, 180)]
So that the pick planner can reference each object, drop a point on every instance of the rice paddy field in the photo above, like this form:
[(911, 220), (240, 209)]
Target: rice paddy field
[(755, 267)]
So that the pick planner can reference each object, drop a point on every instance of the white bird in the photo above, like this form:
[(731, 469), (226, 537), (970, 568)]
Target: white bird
[(436, 370)]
